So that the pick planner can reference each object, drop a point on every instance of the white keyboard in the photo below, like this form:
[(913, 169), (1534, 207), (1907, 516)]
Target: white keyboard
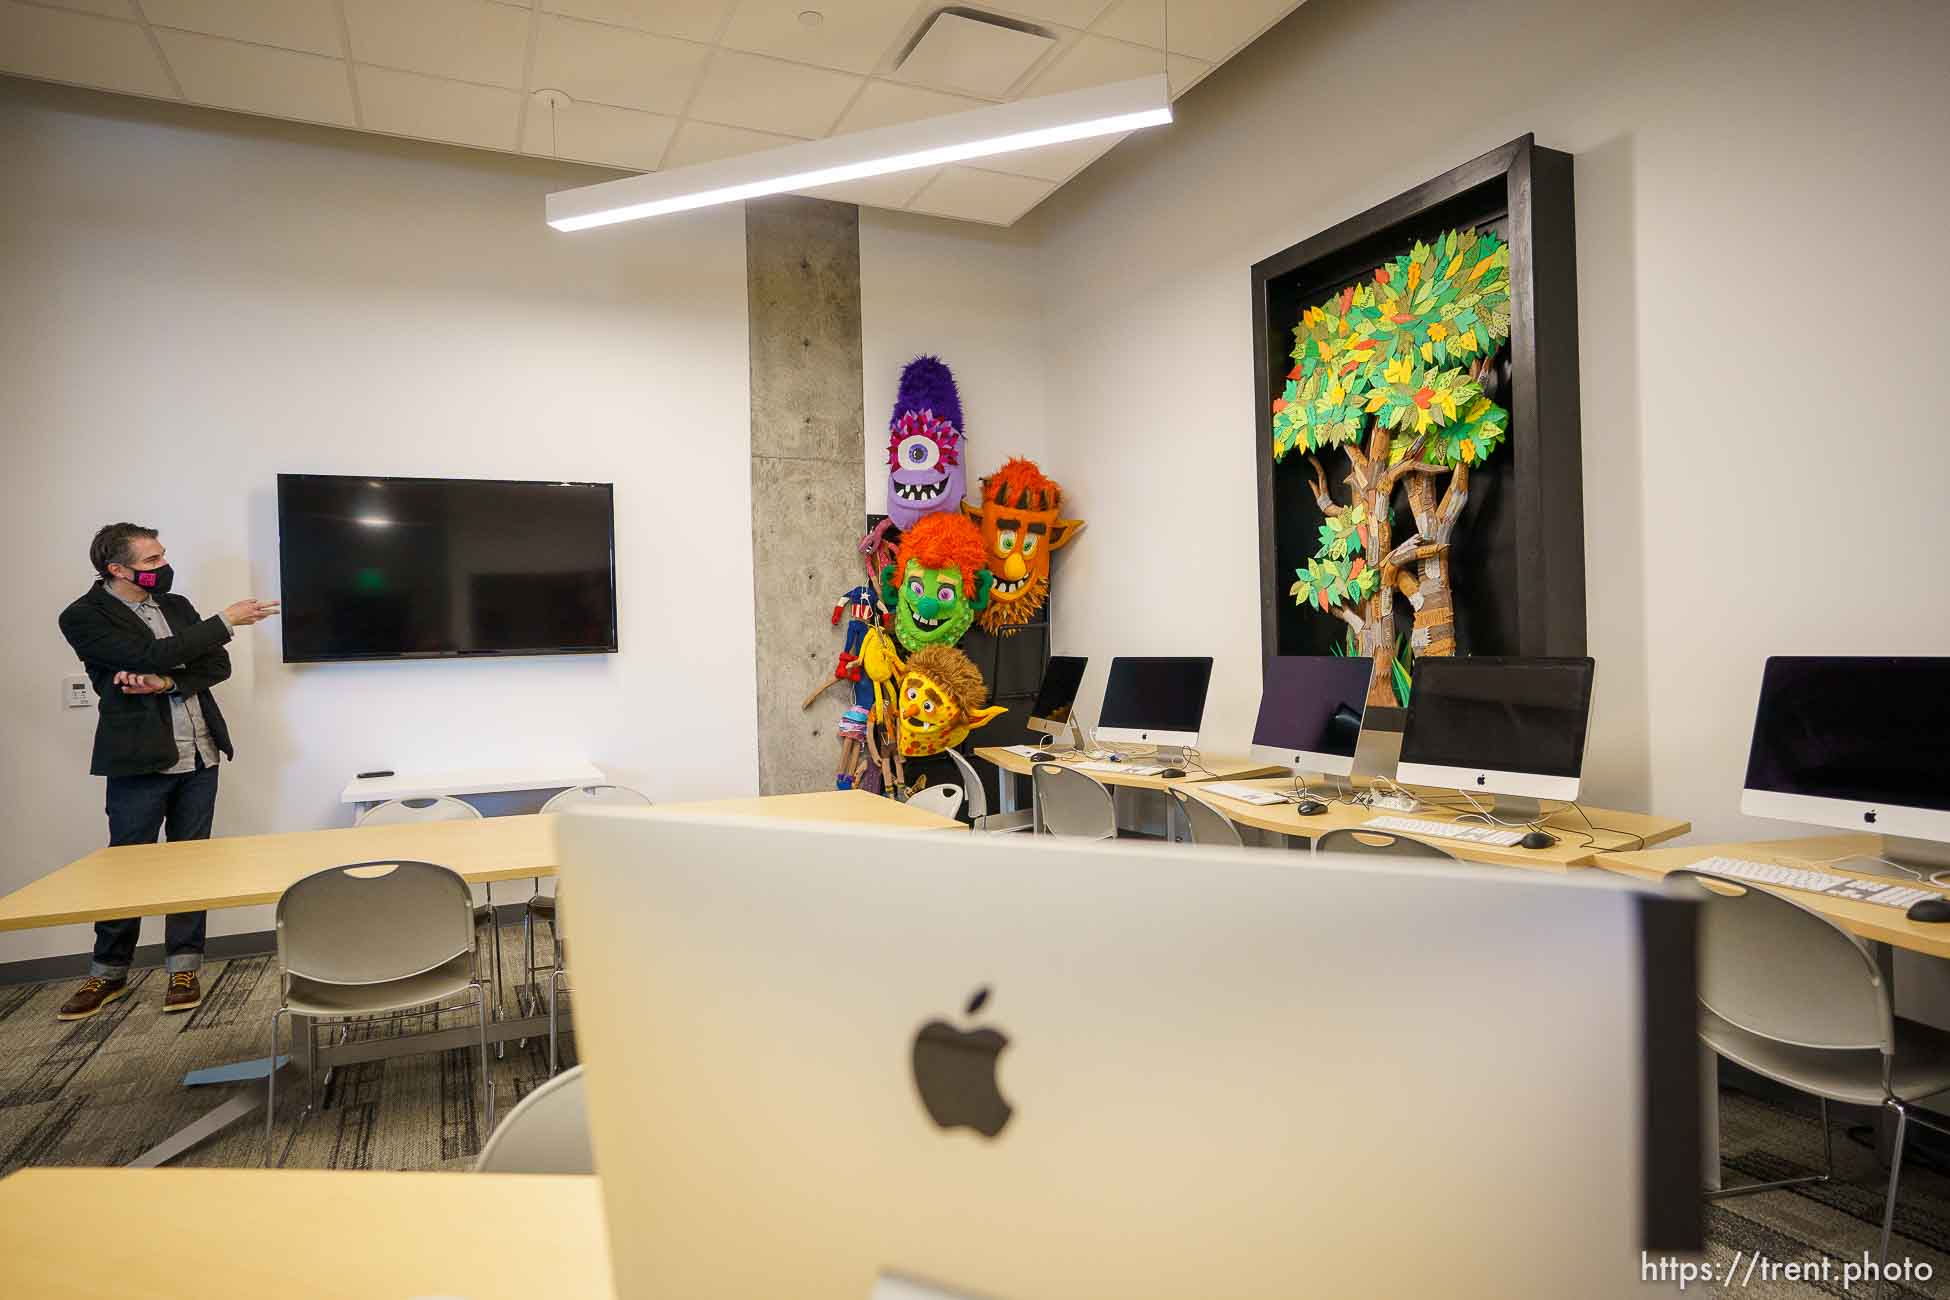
[(1878, 892), (1253, 794), (1128, 769), (1444, 830)]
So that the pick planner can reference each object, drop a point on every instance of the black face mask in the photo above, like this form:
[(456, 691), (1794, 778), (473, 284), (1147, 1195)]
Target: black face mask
[(156, 581)]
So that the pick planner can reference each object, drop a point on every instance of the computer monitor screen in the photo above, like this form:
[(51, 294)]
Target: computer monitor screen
[(1857, 742), (1057, 696), (1310, 709), (1161, 701), (1511, 726)]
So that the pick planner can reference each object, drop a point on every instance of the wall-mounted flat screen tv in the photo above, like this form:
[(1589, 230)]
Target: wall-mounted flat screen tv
[(421, 568)]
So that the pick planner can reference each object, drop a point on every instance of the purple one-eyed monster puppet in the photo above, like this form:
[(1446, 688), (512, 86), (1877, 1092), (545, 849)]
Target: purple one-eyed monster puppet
[(926, 450)]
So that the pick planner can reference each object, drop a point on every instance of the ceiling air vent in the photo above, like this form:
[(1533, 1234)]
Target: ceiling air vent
[(974, 53)]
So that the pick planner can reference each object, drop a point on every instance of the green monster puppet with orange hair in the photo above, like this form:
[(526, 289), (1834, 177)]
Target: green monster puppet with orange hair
[(937, 583)]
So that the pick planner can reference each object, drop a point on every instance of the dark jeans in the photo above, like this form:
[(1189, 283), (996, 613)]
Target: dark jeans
[(138, 808)]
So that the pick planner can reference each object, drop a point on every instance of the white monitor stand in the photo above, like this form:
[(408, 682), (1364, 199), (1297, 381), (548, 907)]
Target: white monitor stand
[(1079, 734)]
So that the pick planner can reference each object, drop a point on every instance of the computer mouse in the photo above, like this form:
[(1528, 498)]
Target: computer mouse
[(1929, 909), (1041, 756), (1310, 808), (1537, 840), (1172, 773)]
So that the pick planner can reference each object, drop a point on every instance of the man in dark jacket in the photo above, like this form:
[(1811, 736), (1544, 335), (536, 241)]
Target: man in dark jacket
[(158, 735)]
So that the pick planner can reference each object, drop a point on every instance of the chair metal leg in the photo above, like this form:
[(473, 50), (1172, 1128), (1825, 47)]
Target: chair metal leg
[(271, 1088), (528, 956), (487, 1079), (1889, 1205), (554, 1037), (1828, 1149)]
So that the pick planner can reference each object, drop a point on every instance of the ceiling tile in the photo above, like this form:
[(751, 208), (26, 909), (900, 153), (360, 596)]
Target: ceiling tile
[(701, 142), (431, 108), (965, 54), (90, 51), (1071, 13), (1096, 61), (853, 35), (694, 20), (468, 40), (767, 95), (1056, 162), (885, 103), (308, 25), (894, 191), (1206, 31), (110, 8), (258, 79), (598, 133), (973, 195), (594, 64)]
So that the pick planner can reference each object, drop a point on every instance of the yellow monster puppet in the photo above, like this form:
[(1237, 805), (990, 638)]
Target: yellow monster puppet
[(942, 698), (1020, 528)]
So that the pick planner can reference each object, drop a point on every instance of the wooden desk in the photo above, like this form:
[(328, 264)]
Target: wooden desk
[(855, 807), (1571, 850), (301, 1233), (242, 870), (1209, 768), (1866, 920)]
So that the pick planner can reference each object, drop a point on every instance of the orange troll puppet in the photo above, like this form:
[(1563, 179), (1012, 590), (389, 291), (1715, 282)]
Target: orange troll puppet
[(1020, 527)]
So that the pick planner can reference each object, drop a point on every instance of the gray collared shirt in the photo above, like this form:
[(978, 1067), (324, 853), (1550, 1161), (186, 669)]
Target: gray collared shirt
[(185, 711)]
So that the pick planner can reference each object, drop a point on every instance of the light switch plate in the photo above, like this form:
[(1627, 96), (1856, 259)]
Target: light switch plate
[(76, 693)]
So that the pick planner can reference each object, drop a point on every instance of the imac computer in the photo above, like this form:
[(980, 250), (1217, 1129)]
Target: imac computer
[(1857, 743), (1046, 1070), (1155, 702), (1054, 712), (1512, 727), (1310, 710)]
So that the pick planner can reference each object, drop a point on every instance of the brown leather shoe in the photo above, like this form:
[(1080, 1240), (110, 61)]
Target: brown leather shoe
[(183, 992), (94, 994)]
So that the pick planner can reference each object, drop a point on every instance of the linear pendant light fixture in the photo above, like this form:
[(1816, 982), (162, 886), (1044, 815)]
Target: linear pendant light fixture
[(958, 137)]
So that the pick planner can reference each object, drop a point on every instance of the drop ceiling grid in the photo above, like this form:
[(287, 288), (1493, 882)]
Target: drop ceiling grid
[(1097, 39)]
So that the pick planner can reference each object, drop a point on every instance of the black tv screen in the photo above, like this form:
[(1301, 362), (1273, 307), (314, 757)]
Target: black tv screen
[(412, 568)]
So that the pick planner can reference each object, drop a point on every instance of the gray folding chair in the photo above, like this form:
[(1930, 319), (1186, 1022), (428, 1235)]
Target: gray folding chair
[(370, 939), (548, 1133), (1364, 840), (942, 799), (1209, 825), (540, 908), (971, 784), (444, 808), (1075, 805), (1792, 996)]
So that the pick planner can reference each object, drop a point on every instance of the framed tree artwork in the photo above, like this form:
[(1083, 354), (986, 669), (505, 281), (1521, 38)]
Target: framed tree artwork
[(1420, 478)]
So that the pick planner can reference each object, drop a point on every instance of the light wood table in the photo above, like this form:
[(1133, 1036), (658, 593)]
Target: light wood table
[(1208, 768), (246, 870), (1578, 844), (301, 1233), (1867, 920)]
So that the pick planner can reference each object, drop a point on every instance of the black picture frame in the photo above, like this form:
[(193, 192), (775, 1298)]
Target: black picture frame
[(1519, 559)]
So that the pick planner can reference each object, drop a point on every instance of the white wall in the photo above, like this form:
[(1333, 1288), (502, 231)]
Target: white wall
[(1760, 197), (970, 295), (196, 302)]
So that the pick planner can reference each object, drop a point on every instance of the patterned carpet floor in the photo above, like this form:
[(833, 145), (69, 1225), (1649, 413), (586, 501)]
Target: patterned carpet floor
[(103, 1090), (100, 1091)]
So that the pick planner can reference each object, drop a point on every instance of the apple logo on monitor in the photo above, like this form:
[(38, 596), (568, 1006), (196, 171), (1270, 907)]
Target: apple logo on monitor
[(1870, 816), (954, 1071), (1482, 780)]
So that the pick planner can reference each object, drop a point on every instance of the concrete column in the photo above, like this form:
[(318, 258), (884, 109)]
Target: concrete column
[(802, 260)]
